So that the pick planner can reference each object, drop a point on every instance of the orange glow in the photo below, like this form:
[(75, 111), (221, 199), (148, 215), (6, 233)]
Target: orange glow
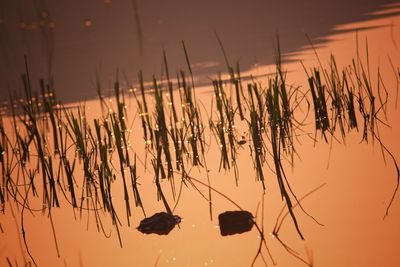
[(350, 206), (88, 23)]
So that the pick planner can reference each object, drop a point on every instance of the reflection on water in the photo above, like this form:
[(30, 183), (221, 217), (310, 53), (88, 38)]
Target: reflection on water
[(350, 207), (73, 41)]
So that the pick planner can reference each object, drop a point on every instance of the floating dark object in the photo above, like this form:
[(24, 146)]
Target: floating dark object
[(242, 141), (160, 223), (235, 222)]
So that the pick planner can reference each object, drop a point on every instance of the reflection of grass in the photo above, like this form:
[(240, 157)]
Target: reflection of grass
[(47, 139), (260, 229), (278, 224)]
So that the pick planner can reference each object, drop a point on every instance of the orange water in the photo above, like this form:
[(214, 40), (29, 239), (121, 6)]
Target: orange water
[(351, 205)]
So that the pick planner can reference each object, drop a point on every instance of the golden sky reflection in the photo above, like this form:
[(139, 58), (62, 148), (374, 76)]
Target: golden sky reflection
[(351, 206)]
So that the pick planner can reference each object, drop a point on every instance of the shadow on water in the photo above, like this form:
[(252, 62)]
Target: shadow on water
[(79, 39)]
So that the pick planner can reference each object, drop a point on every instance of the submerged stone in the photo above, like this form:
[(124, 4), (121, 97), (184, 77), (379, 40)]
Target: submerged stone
[(160, 223), (235, 222)]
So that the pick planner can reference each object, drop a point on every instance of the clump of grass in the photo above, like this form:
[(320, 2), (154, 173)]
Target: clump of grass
[(191, 120), (158, 170), (223, 128), (32, 127), (3, 156), (143, 109), (49, 104), (349, 100), (170, 89), (161, 135), (219, 126), (175, 132), (237, 81), (104, 172), (318, 94), (119, 143), (354, 85), (256, 129), (279, 122), (135, 189), (162, 128), (79, 130)]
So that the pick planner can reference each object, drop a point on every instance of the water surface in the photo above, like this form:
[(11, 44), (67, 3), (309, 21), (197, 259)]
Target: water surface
[(351, 206)]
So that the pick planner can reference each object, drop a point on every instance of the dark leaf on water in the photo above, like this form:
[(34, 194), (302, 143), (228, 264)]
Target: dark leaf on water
[(235, 222), (160, 223)]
